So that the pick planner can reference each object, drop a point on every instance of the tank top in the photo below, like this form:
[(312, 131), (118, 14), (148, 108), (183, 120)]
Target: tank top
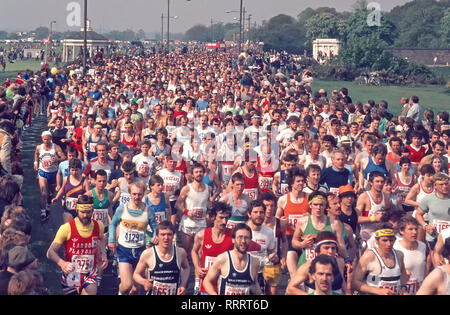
[(294, 211), (446, 279), (159, 210), (71, 193), (207, 180), (238, 213), (367, 229), (404, 190), (45, 159), (172, 182), (310, 253), (422, 193), (91, 146), (371, 167), (132, 228), (165, 274), (388, 277), (132, 144), (82, 253), (251, 185), (283, 187), (351, 219), (159, 151), (101, 207), (210, 251), (236, 282), (265, 177), (125, 196), (415, 261), (197, 202), (227, 169), (321, 162)]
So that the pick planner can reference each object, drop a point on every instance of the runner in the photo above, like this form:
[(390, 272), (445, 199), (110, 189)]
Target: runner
[(381, 270), (173, 181), (132, 220), (280, 186), (235, 270), (212, 241), (302, 282), (236, 200), (250, 172), (122, 191), (84, 244), (145, 163), (291, 208), (166, 264), (73, 186), (46, 159), (438, 281)]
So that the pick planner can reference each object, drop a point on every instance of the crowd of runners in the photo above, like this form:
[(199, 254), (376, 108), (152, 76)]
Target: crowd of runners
[(237, 169)]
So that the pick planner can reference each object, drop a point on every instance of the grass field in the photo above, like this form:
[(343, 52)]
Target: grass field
[(435, 97)]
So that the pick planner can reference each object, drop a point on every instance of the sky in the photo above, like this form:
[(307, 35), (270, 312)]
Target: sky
[(106, 15)]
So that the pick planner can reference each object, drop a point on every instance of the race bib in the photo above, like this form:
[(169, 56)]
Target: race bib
[(144, 168), (265, 182), (83, 263), (235, 290), (101, 215), (160, 217), (71, 203), (412, 286), (391, 285), (227, 169), (284, 189), (251, 193), (169, 188), (132, 238), (47, 162), (160, 288), (209, 261), (310, 253), (92, 146), (125, 198), (198, 213), (73, 279), (441, 225), (293, 219), (334, 191)]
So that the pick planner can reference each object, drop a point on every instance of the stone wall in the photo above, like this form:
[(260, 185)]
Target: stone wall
[(425, 56)]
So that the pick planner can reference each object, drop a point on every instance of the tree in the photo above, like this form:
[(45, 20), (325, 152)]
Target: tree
[(325, 25), (198, 33), (140, 34), (3, 35), (42, 32), (445, 29)]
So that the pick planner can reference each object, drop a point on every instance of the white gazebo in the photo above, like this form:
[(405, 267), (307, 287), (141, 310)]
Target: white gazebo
[(327, 46), (75, 42)]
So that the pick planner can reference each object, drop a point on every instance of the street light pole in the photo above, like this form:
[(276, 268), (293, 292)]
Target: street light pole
[(240, 26), (162, 30), (249, 26), (168, 25), (85, 37)]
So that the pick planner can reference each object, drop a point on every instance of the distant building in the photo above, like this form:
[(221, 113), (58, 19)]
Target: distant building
[(325, 48)]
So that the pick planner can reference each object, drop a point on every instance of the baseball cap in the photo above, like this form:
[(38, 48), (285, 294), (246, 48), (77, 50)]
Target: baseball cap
[(346, 190), (19, 257)]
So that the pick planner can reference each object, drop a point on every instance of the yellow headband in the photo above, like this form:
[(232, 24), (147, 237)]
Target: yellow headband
[(85, 207), (384, 232), (318, 197)]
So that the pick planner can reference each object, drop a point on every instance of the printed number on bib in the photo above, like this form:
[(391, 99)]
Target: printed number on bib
[(160, 288), (293, 219), (412, 287), (209, 261), (198, 213), (73, 279), (334, 191), (125, 198), (47, 162), (101, 215), (265, 182), (83, 263), (71, 203), (233, 290), (441, 225), (160, 217), (227, 169), (251, 193), (393, 286), (310, 254), (135, 237)]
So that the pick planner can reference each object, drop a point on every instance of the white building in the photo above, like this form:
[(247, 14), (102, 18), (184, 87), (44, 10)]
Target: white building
[(324, 48)]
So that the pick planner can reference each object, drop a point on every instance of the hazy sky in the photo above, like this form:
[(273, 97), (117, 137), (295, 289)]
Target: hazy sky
[(146, 14)]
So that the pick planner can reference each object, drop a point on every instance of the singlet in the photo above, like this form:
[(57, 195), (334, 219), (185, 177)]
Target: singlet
[(132, 144), (266, 174), (197, 202), (227, 169), (159, 210), (351, 219), (210, 251), (91, 144), (132, 228), (371, 167), (294, 211), (422, 193), (250, 185), (446, 279), (283, 187), (71, 193), (404, 190), (207, 180), (45, 159), (159, 151), (82, 253), (336, 285), (236, 282), (165, 274), (151, 135), (101, 207), (367, 229), (172, 182), (415, 261), (388, 277), (125, 196), (416, 155), (238, 213), (321, 162), (310, 253)]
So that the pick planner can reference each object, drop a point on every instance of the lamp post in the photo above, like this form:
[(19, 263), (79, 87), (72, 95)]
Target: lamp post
[(49, 41), (241, 22), (162, 27), (85, 37)]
